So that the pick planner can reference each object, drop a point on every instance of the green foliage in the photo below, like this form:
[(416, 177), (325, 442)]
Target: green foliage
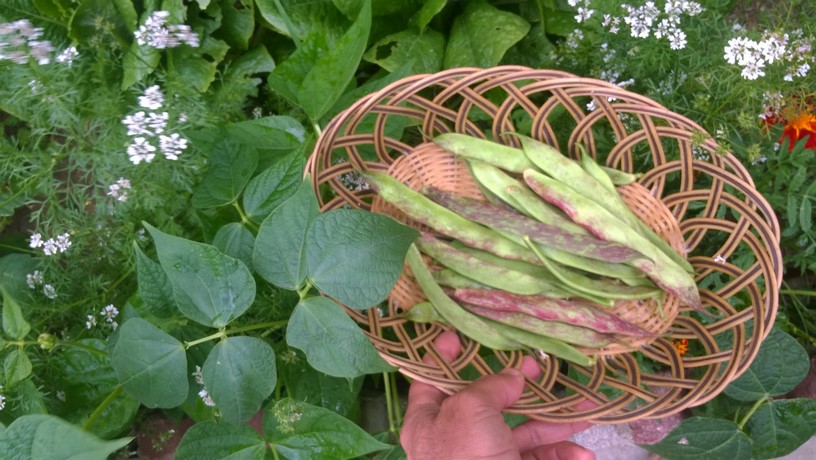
[(47, 437)]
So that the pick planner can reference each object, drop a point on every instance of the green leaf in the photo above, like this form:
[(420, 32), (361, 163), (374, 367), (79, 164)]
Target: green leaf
[(422, 52), (304, 383), (280, 249), (778, 428), (17, 367), (45, 437), (430, 8), (197, 67), (235, 241), (300, 19), (778, 367), (256, 60), (139, 62), (155, 288), (272, 187), (221, 440), (356, 256), (481, 35), (116, 418), (334, 344), (276, 135), (238, 22), (231, 166), (288, 76), (701, 438), (805, 215), (150, 364), (240, 374), (210, 287), (14, 324), (333, 72), (302, 431), (792, 208), (127, 12)]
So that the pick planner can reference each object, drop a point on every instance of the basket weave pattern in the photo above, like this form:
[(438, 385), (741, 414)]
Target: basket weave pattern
[(711, 197)]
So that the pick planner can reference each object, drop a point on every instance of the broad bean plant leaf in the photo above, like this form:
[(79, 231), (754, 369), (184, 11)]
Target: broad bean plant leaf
[(155, 288), (779, 427), (238, 22), (302, 431), (150, 364), (239, 375), (356, 256), (197, 67), (221, 440), (702, 438), (236, 241), (14, 324), (422, 52), (210, 287), (481, 35), (332, 341), (333, 71), (430, 8), (305, 383), (273, 186), (231, 166), (46, 437), (16, 367), (300, 19), (778, 367), (280, 248)]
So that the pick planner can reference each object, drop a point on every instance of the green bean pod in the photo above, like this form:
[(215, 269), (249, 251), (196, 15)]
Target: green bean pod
[(464, 321)]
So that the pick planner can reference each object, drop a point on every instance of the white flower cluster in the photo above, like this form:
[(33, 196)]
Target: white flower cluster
[(584, 11), (147, 126), (156, 33), (2, 402), (109, 314), (50, 246), (794, 50), (647, 19), (20, 41), (35, 279), (120, 189), (203, 394)]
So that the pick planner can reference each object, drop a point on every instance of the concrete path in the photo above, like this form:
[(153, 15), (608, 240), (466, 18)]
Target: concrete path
[(614, 442)]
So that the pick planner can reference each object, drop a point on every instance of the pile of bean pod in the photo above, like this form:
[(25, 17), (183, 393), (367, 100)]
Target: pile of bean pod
[(538, 263)]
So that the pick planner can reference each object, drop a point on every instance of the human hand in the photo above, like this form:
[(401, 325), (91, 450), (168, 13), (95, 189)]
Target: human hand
[(469, 424)]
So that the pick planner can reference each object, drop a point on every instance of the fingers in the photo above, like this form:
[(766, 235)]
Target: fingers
[(533, 433), (563, 450), (422, 394), (496, 391)]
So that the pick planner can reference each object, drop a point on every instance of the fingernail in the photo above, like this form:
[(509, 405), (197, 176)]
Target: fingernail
[(512, 371)]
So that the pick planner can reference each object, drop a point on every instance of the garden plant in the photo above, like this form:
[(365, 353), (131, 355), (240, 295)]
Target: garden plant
[(163, 256)]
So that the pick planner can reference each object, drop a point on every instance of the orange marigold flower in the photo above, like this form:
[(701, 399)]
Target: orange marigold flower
[(681, 346), (799, 127)]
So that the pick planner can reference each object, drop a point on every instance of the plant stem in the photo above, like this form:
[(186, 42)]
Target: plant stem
[(80, 346), (236, 330), (101, 408), (219, 334), (798, 292), (317, 129), (304, 290), (245, 218), (751, 412), (274, 452), (389, 403), (397, 404)]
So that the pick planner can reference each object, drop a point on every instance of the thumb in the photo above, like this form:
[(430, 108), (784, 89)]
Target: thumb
[(497, 391)]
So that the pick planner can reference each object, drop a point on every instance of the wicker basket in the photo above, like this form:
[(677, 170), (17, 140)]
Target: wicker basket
[(702, 202)]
